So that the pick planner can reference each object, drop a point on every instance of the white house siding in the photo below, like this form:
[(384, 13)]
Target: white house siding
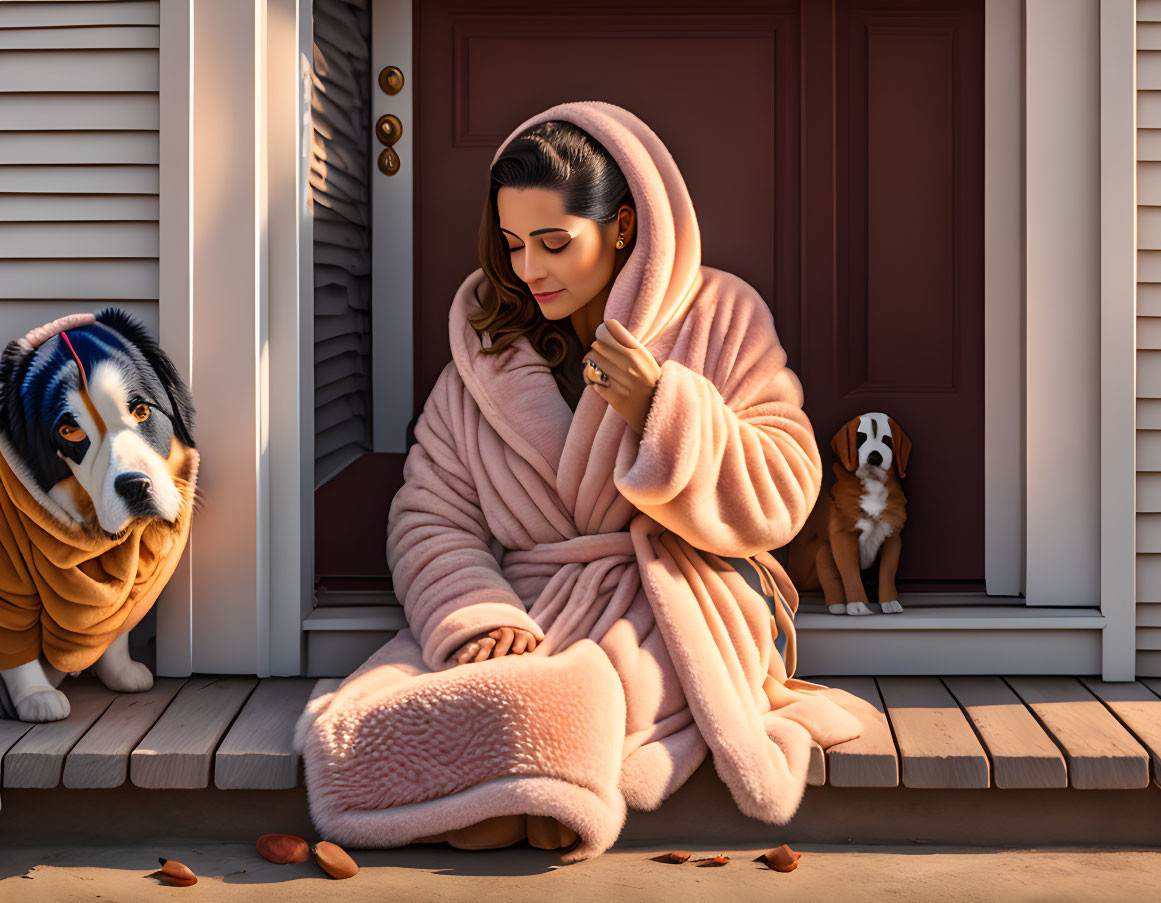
[(1149, 338), (78, 160)]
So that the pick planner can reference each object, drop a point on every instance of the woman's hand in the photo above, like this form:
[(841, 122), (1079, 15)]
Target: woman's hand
[(495, 643), (631, 370)]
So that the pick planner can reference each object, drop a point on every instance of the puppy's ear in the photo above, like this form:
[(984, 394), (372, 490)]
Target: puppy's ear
[(843, 444), (179, 394), (901, 447)]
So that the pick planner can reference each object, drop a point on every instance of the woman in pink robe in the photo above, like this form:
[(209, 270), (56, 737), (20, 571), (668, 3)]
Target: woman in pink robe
[(601, 546)]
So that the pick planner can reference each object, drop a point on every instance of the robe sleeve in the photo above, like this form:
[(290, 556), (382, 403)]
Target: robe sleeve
[(438, 541), (727, 459)]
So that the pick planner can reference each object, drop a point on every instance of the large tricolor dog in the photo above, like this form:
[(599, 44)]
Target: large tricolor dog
[(859, 521), (98, 470)]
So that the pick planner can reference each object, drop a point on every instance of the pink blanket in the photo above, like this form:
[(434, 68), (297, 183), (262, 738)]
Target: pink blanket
[(517, 512)]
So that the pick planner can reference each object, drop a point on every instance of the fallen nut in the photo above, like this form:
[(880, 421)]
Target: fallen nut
[(334, 860), (782, 859), (677, 856), (283, 848), (176, 873), (714, 861)]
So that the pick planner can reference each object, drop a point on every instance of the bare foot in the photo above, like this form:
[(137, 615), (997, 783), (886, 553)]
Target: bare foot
[(491, 833), (546, 833)]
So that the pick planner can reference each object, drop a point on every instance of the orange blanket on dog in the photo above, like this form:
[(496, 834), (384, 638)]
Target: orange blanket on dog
[(70, 593)]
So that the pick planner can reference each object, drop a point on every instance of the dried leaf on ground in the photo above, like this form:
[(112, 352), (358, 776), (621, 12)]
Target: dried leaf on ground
[(283, 848), (176, 873), (781, 859), (334, 860)]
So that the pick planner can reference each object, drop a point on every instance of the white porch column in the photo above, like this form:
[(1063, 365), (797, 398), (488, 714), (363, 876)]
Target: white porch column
[(1118, 476), (1063, 290), (236, 315), (230, 569)]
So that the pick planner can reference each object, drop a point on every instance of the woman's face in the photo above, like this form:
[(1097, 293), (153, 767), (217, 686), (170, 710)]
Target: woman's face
[(566, 261)]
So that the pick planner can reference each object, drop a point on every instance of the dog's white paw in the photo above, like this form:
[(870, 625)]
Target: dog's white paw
[(891, 607), (858, 608), (838, 608), (125, 677), (42, 703)]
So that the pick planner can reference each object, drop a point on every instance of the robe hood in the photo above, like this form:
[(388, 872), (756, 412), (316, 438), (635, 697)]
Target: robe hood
[(650, 296), (656, 285)]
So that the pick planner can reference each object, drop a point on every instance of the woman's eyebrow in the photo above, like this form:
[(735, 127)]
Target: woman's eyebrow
[(537, 232)]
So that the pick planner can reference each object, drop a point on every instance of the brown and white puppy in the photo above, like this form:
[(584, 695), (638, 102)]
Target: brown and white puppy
[(858, 521)]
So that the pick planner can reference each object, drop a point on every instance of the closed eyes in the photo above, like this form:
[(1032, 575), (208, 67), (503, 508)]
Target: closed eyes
[(546, 247)]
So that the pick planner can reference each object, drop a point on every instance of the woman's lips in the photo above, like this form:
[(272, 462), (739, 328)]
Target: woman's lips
[(546, 296)]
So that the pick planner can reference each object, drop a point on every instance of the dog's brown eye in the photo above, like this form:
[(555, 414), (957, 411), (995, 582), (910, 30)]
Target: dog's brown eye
[(71, 433), (141, 413)]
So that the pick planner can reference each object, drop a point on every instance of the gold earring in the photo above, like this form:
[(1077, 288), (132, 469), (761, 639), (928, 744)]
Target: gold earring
[(620, 241)]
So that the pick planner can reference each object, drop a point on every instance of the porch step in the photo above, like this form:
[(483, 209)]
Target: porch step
[(948, 633), (174, 736), (700, 813), (977, 732)]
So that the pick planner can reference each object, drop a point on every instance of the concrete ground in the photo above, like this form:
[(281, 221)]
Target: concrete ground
[(436, 872)]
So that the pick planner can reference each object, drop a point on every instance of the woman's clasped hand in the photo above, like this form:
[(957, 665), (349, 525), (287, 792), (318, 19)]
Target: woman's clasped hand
[(495, 643)]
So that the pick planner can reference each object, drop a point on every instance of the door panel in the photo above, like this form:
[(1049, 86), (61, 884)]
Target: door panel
[(906, 335)]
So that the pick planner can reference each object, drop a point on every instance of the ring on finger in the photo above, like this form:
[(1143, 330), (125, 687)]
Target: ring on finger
[(604, 376)]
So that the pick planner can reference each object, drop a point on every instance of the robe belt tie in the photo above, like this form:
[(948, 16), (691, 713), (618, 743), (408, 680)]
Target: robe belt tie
[(584, 549)]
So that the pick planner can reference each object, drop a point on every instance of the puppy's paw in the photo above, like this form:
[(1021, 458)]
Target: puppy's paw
[(858, 608), (838, 608), (891, 607), (126, 677), (42, 703)]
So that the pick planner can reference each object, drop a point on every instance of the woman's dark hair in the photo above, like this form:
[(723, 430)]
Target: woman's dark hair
[(558, 156)]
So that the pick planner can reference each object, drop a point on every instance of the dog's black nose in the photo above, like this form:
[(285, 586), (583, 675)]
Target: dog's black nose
[(133, 486), (875, 458)]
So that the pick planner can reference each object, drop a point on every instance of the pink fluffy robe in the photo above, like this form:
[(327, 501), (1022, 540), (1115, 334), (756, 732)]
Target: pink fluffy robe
[(518, 512)]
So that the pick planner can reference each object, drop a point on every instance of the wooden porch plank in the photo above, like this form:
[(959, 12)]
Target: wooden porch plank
[(816, 773), (178, 751), (37, 758), (1102, 755), (937, 745), (258, 752), (1022, 754), (10, 732), (1138, 709), (101, 757), (870, 760)]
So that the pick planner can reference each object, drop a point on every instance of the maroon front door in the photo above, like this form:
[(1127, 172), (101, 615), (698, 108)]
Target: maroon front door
[(834, 158)]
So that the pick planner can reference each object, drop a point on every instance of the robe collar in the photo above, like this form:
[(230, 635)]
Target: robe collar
[(515, 389)]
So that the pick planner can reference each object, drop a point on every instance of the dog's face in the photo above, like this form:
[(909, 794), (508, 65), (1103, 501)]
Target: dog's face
[(872, 442), (98, 419)]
